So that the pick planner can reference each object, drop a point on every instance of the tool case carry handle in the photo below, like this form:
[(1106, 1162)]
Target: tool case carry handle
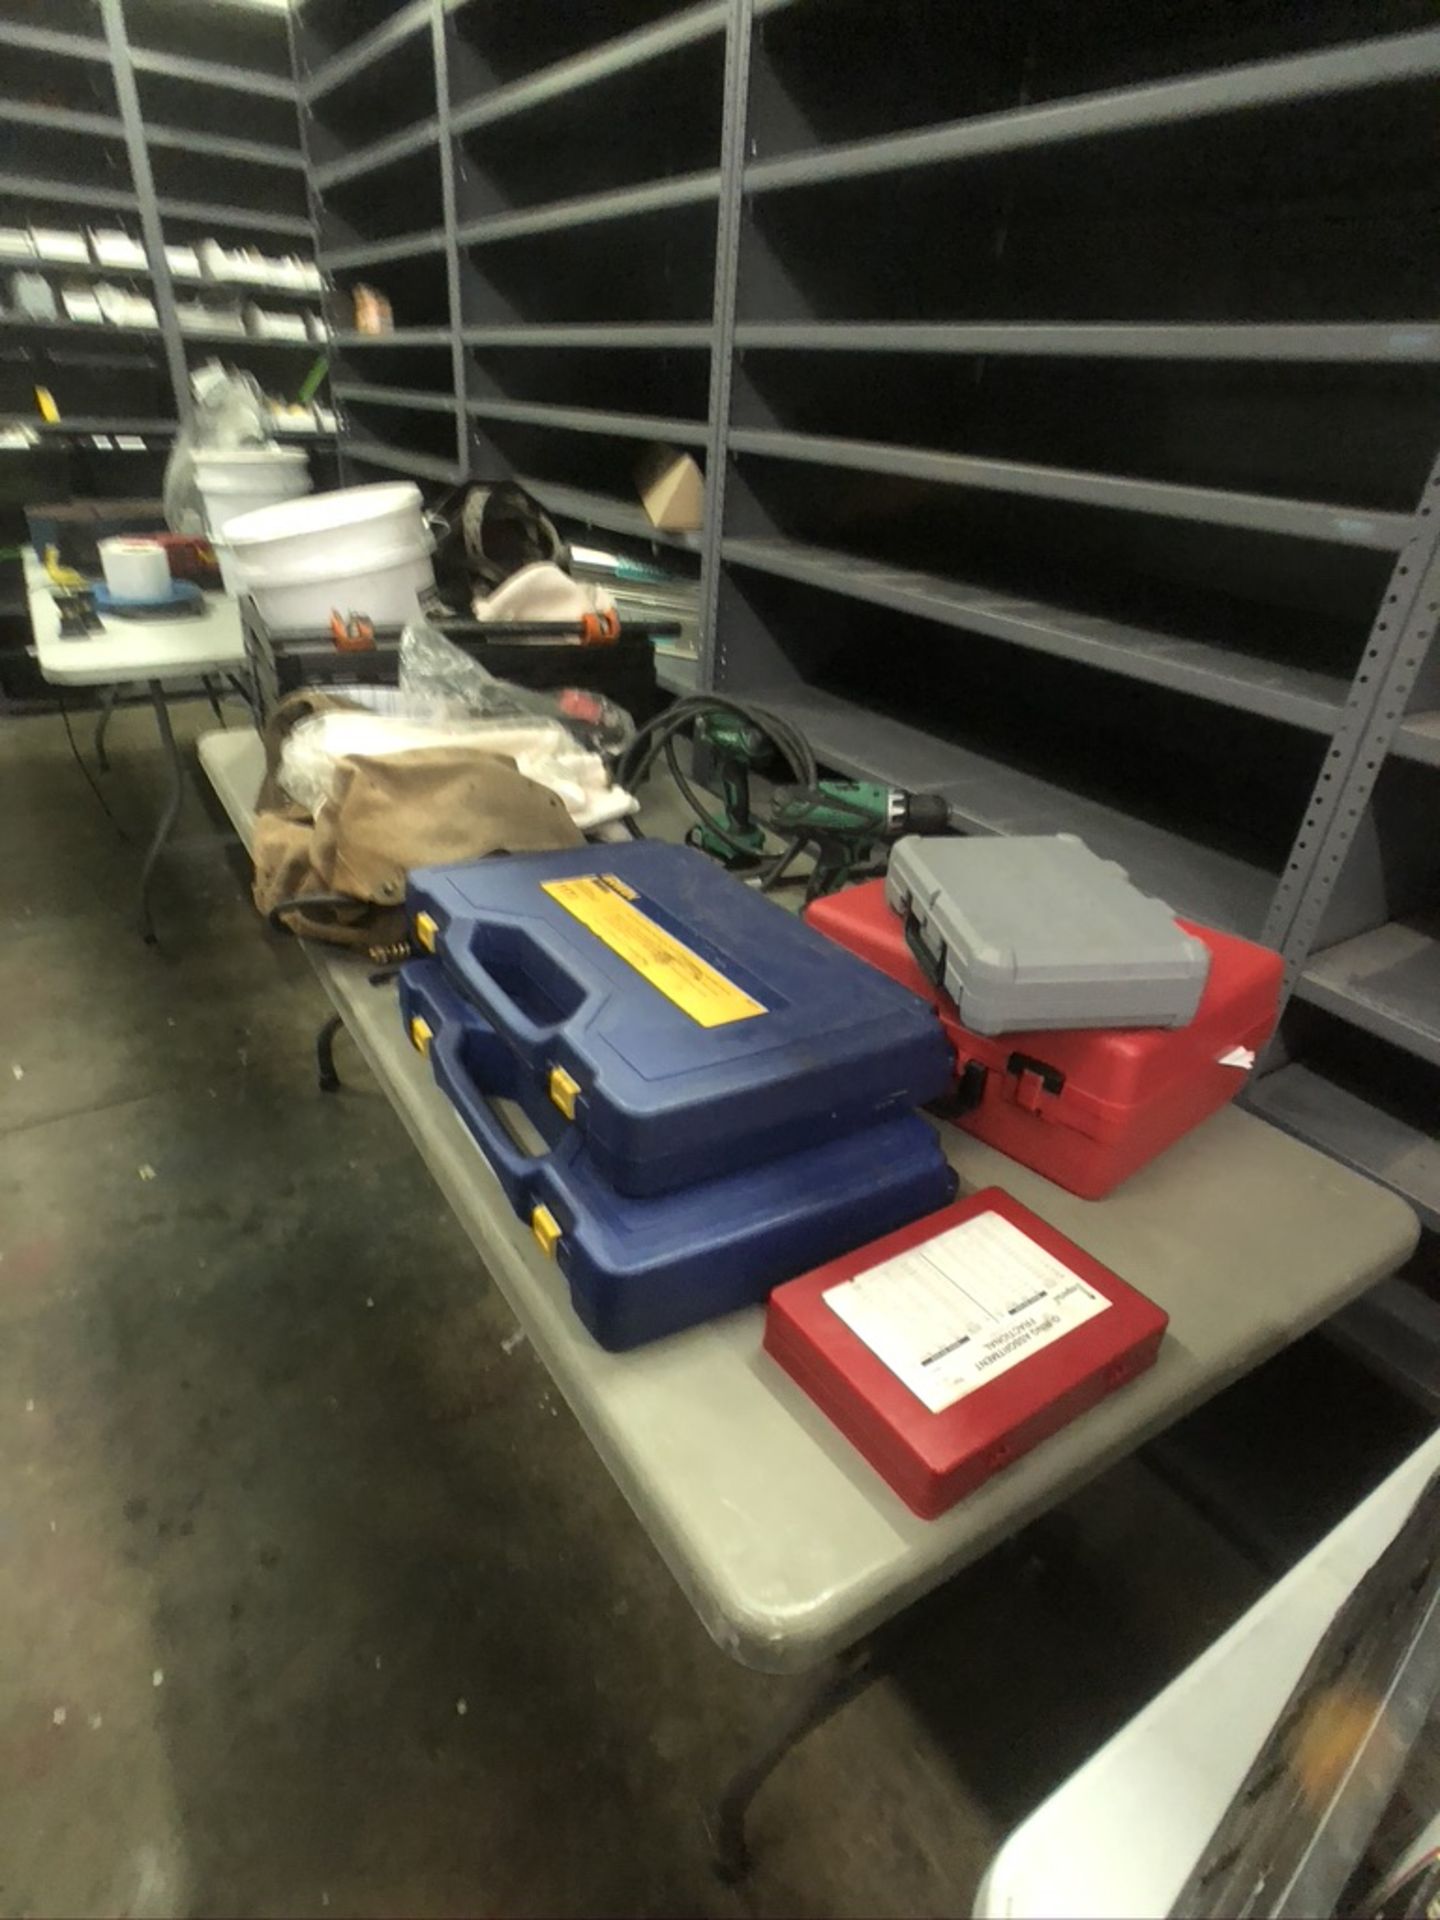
[(930, 964), (549, 992), (473, 1068)]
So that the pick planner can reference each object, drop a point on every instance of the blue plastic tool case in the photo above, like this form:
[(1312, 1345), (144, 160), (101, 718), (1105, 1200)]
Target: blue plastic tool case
[(686, 1025), (642, 1268)]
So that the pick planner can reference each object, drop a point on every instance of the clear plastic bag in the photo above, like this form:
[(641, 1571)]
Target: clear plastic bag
[(539, 747), (432, 667), (230, 411)]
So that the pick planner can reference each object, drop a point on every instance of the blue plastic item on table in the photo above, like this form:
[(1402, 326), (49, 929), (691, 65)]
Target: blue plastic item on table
[(642, 1268), (183, 598), (685, 1024)]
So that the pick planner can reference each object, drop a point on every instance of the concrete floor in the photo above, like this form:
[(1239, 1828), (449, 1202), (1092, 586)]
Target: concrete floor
[(312, 1594)]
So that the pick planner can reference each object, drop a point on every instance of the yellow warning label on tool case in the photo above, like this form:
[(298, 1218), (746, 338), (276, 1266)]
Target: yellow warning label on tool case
[(603, 903)]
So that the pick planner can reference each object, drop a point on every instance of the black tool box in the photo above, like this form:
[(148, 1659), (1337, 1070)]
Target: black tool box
[(622, 669)]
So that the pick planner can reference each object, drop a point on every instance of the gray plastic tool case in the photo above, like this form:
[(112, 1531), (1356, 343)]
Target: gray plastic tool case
[(1025, 933)]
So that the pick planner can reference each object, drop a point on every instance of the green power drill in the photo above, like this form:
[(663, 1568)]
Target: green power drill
[(845, 821), (737, 749)]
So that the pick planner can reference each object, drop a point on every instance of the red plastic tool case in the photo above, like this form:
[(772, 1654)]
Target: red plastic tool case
[(1084, 1107), (933, 1459)]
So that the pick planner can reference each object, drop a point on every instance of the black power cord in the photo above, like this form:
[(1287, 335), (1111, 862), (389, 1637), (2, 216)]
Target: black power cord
[(90, 779), (659, 736)]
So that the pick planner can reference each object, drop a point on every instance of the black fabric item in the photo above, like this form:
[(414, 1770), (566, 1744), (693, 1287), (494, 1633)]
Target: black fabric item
[(489, 533)]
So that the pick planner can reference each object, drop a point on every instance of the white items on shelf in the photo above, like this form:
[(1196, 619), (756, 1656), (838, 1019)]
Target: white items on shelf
[(114, 248), (82, 306), (65, 246), (247, 266), (122, 308), (33, 297), (195, 317), (16, 244), (183, 262), (268, 324)]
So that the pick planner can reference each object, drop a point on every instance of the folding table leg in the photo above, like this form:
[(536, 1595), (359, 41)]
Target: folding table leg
[(325, 1054), (171, 810), (107, 707), (834, 1687)]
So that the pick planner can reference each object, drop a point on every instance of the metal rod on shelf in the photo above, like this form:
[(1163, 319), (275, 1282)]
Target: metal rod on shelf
[(128, 96)]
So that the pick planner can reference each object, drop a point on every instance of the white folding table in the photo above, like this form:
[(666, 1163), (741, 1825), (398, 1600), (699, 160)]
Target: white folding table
[(1121, 1836), (791, 1550), (146, 653)]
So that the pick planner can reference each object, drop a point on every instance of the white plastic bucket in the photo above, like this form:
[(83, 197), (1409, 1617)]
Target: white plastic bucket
[(135, 569), (387, 595), (241, 480), (361, 549)]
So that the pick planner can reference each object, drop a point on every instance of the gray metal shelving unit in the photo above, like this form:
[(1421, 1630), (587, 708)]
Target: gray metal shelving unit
[(175, 124), (1068, 386)]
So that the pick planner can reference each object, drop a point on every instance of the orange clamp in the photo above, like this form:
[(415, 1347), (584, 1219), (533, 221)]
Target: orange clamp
[(599, 628)]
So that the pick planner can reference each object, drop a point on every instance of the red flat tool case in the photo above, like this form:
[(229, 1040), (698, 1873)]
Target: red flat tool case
[(1085, 1107), (996, 1331)]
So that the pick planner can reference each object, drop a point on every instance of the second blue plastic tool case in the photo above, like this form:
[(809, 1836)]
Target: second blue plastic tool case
[(641, 1268), (683, 1023)]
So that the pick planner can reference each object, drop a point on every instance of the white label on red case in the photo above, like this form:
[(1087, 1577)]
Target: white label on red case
[(964, 1307)]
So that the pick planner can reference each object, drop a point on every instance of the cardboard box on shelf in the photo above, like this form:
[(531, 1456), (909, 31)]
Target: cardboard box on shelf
[(672, 489)]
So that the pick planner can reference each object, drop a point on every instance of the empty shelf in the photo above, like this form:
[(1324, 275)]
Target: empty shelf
[(65, 46), (1381, 341), (1363, 1136), (24, 186), (626, 426), (291, 224), (990, 797), (1296, 695), (1386, 981), (210, 73), (1258, 512), (598, 333), (1395, 1329), (62, 119), (373, 252), (76, 329), (422, 466), (258, 153), (596, 64), (603, 510), (400, 337), (391, 33), (399, 146), (1303, 76), (422, 402), (687, 189), (1418, 738)]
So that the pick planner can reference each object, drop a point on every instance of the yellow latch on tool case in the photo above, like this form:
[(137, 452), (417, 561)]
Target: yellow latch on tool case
[(546, 1229), (564, 1091), (425, 931), (421, 1034)]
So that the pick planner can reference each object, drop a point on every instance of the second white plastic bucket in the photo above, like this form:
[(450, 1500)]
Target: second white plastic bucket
[(241, 480)]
